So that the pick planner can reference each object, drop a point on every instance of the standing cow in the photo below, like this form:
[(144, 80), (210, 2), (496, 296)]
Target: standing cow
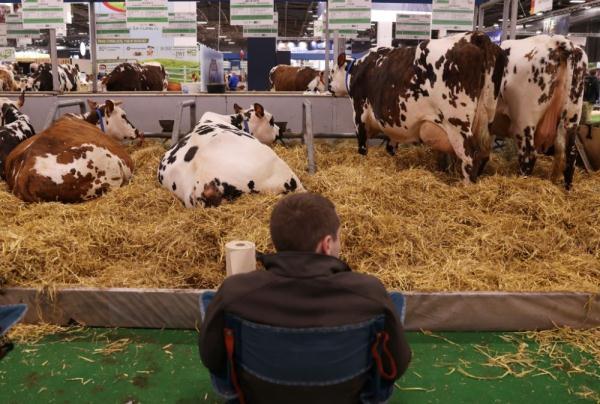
[(290, 78), (71, 161), (16, 127), (218, 161), (541, 100), (442, 93), (136, 77), (7, 79), (41, 79)]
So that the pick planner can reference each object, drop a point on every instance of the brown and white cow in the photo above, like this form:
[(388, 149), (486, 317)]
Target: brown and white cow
[(541, 100), (7, 80), (136, 77), (442, 93), (292, 78), (71, 161), (111, 119)]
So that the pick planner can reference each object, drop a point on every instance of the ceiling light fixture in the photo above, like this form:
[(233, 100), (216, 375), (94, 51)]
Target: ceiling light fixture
[(577, 1)]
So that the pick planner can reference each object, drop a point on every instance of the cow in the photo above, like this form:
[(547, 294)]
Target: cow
[(442, 93), (16, 127), (255, 121), (111, 119), (71, 161), (218, 161), (541, 99), (41, 79), (291, 78), (136, 77), (7, 79)]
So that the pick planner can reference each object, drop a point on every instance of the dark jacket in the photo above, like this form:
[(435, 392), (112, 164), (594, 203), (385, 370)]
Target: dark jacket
[(300, 290), (591, 91)]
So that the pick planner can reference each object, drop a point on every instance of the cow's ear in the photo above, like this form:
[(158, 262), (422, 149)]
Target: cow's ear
[(117, 103), (341, 60), (92, 105), (110, 107), (237, 108), (259, 110)]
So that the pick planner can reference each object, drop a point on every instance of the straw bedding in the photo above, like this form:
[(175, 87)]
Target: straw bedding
[(411, 226)]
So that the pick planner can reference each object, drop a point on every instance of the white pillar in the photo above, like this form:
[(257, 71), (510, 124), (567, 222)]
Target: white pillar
[(385, 33)]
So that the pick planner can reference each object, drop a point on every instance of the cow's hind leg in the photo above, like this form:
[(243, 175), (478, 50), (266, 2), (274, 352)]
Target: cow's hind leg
[(527, 155), (361, 134), (571, 156), (558, 164)]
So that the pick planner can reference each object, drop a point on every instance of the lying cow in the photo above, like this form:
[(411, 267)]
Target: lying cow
[(541, 100), (291, 78), (41, 79), (71, 161), (15, 128), (136, 77), (442, 93), (218, 161), (7, 79), (111, 119), (255, 121)]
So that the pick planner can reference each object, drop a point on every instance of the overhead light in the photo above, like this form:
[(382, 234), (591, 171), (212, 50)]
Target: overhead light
[(587, 7), (496, 25), (202, 22), (222, 36), (538, 32), (210, 28), (576, 1), (500, 19), (540, 13)]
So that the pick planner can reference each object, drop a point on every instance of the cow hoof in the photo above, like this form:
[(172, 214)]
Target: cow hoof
[(391, 150), (362, 150)]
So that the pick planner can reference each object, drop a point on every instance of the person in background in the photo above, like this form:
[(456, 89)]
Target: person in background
[(233, 82), (305, 284), (591, 91)]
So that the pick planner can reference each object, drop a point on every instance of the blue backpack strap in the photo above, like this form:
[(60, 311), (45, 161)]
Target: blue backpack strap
[(246, 127), (100, 119)]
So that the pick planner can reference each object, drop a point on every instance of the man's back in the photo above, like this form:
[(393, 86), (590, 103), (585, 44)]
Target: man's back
[(300, 290)]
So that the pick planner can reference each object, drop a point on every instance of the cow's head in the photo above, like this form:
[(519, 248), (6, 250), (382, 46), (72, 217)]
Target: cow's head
[(337, 85), (116, 124), (9, 109), (317, 84), (258, 122)]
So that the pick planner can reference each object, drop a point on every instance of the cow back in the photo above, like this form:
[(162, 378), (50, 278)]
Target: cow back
[(153, 78), (67, 142), (292, 78)]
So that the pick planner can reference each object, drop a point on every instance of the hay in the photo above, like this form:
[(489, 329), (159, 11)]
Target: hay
[(411, 226)]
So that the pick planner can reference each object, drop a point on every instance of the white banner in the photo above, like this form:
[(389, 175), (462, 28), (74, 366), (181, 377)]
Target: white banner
[(147, 13), (181, 25), (537, 6), (15, 29), (413, 26), (7, 54), (453, 15), (319, 32), (263, 31), (44, 14), (3, 34), (111, 25), (349, 14), (251, 12)]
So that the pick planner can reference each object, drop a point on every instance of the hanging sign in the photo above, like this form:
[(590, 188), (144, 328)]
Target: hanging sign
[(251, 12), (453, 15), (44, 14), (7, 54), (147, 13), (319, 32), (3, 34), (349, 14), (181, 25), (15, 29), (263, 31), (113, 25), (538, 6), (413, 26)]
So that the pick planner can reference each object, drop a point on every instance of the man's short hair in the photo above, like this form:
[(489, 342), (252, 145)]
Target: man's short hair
[(300, 221)]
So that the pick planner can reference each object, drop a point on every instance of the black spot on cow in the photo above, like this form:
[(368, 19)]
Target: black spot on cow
[(251, 186), (291, 186), (515, 69), (574, 119), (173, 151), (237, 120), (230, 192), (463, 125), (204, 129), (174, 187), (272, 121), (189, 155)]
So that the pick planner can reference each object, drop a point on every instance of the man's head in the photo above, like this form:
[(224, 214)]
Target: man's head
[(306, 222)]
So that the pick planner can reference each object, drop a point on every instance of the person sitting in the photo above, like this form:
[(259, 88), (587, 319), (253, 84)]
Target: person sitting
[(305, 285), (233, 82)]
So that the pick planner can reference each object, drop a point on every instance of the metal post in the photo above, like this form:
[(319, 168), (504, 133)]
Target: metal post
[(513, 18), (505, 13), (219, 29), (93, 49), (308, 136), (476, 18), (481, 16), (336, 43), (326, 28), (54, 60)]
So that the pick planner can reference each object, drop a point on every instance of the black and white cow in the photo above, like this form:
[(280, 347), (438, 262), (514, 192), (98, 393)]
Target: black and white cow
[(15, 128), (541, 100), (41, 79), (218, 161), (442, 93), (255, 121)]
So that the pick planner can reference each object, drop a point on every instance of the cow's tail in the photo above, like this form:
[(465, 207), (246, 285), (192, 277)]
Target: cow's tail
[(546, 129)]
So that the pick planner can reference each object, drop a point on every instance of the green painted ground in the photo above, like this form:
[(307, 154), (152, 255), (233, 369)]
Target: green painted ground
[(162, 366)]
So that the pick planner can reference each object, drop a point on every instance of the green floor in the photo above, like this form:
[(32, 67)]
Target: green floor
[(163, 366)]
